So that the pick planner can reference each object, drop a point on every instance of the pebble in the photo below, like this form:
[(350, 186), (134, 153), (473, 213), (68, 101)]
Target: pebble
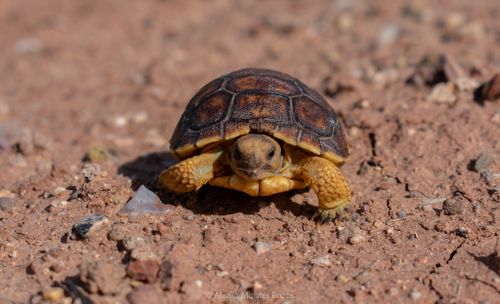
[(144, 252), (146, 294), (415, 295), (262, 247), (133, 242), (118, 232), (322, 261), (102, 277), (442, 93), (401, 214), (482, 162), (491, 89), (53, 295), (388, 34), (465, 84), (28, 45), (452, 206), (342, 278), (90, 225), (462, 232), (355, 239), (91, 170), (145, 201), (143, 270), (97, 154), (7, 203)]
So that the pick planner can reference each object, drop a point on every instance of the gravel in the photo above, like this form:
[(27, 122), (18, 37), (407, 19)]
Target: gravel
[(262, 247), (322, 261), (482, 162), (90, 225), (145, 201), (355, 239), (103, 277), (7, 203), (454, 205)]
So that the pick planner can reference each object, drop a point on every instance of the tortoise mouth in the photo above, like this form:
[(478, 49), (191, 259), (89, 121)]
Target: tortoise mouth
[(253, 174)]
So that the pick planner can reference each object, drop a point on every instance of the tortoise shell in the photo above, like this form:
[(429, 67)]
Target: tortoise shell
[(260, 101)]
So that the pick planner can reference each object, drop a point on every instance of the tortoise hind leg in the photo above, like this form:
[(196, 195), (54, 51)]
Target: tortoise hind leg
[(329, 185), (190, 174)]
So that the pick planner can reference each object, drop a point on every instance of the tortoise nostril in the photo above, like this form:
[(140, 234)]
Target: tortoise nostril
[(270, 153)]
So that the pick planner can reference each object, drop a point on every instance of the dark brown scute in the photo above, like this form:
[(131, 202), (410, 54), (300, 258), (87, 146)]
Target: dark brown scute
[(262, 83), (211, 111), (312, 116), (258, 106)]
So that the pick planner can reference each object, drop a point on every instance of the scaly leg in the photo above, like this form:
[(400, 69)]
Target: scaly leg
[(327, 182), (190, 174)]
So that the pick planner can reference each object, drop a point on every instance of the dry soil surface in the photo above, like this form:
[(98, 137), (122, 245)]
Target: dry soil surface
[(90, 92)]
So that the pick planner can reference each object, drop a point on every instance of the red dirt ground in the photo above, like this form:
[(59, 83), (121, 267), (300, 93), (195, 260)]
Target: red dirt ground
[(114, 76)]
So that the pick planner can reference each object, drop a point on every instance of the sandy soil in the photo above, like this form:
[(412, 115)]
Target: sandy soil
[(90, 92)]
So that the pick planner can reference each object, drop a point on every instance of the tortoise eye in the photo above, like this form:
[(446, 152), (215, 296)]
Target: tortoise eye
[(270, 154), (236, 154)]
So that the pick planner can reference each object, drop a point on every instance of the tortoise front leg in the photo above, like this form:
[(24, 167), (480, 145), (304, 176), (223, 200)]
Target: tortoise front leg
[(190, 174), (329, 185)]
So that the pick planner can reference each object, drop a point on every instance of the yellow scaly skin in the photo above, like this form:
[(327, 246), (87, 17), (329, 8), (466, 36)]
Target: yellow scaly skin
[(296, 170)]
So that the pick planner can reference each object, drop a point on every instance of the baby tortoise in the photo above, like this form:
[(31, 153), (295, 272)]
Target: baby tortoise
[(261, 132)]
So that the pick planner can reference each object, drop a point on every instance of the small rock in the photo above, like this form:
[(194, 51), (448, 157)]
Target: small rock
[(462, 232), (355, 239), (28, 45), (97, 154), (7, 203), (401, 214), (465, 84), (388, 34), (482, 162), (90, 225), (262, 247), (342, 278), (102, 277), (145, 271), (118, 232), (322, 261), (146, 201), (491, 89), (222, 273), (146, 294), (443, 93), (57, 267), (133, 242), (91, 170), (454, 205), (144, 252), (165, 275), (120, 121), (415, 295), (53, 295)]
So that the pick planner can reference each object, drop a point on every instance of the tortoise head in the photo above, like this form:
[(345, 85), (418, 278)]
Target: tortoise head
[(256, 156)]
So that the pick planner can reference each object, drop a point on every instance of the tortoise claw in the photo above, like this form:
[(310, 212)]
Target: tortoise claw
[(322, 216)]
